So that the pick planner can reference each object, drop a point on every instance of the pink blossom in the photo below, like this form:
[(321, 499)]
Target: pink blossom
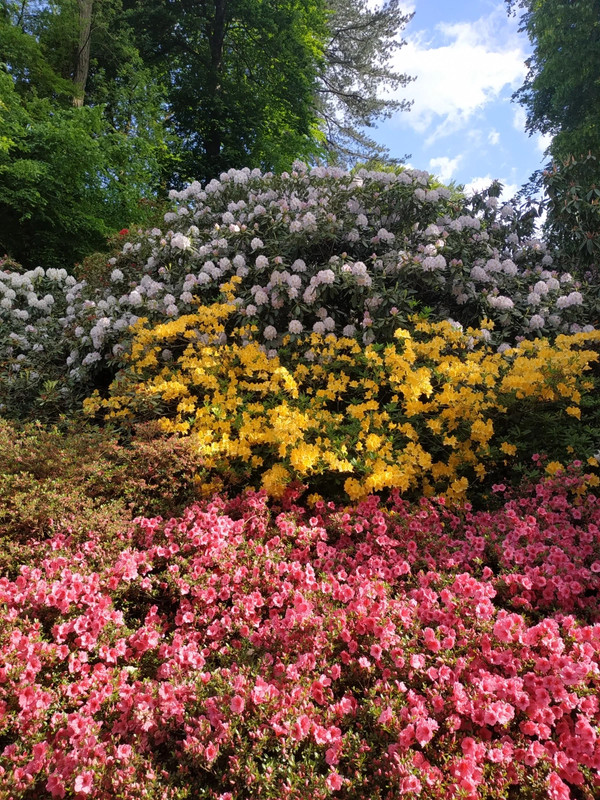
[(84, 782), (334, 781), (557, 789), (210, 752), (237, 704)]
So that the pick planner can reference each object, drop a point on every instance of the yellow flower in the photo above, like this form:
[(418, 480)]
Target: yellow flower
[(275, 480), (373, 442), (354, 489), (417, 414), (482, 431), (304, 457)]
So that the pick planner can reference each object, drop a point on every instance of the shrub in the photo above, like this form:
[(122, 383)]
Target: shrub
[(315, 250), (573, 219), (432, 410), (374, 651), (80, 479)]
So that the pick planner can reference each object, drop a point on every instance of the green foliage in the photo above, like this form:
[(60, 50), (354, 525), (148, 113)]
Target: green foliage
[(241, 76), (69, 177), (573, 221), (561, 95), (32, 65), (561, 92), (67, 180)]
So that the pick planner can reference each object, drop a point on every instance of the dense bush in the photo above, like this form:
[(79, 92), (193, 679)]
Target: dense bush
[(81, 479), (168, 632), (433, 410), (369, 652), (573, 218), (316, 250)]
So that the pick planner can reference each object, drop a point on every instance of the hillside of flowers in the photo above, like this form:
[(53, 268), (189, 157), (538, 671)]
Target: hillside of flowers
[(299, 499)]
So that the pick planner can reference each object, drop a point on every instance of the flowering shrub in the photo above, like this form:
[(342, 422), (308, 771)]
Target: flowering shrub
[(85, 479), (430, 410), (246, 646), (377, 651), (316, 250), (325, 250)]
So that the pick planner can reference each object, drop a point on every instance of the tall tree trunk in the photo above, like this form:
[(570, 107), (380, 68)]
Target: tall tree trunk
[(213, 138), (82, 65)]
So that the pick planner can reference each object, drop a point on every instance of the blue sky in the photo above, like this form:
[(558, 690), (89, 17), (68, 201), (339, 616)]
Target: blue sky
[(468, 58)]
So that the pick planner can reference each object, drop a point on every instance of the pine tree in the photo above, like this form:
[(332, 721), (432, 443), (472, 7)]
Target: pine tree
[(357, 70)]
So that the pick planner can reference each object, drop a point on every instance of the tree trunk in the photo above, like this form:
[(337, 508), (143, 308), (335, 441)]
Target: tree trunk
[(82, 64), (213, 138)]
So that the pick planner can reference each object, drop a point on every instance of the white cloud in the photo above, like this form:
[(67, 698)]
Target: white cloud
[(542, 142), (444, 167), (407, 7), (484, 182), (519, 119), (494, 137), (465, 66)]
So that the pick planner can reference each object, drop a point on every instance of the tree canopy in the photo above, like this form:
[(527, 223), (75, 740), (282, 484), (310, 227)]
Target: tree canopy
[(240, 77), (357, 67), (106, 102), (561, 92), (561, 95)]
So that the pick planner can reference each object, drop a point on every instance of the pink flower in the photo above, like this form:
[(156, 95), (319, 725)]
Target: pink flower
[(417, 661), (376, 651), (424, 730), (334, 781), (210, 751), (411, 784), (55, 786), (237, 704), (431, 640), (84, 782), (557, 789), (301, 727)]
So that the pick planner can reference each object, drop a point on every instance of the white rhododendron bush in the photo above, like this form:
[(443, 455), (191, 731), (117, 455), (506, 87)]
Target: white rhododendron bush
[(318, 250)]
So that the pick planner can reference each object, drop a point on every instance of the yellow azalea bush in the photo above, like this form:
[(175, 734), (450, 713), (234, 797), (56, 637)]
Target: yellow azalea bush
[(433, 410)]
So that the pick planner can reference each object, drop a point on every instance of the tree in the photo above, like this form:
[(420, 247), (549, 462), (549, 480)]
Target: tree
[(80, 145), (84, 44), (241, 77), (561, 92), (67, 181), (358, 52), (561, 95), (262, 82)]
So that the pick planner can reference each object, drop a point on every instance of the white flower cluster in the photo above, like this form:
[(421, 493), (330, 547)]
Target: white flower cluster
[(317, 250)]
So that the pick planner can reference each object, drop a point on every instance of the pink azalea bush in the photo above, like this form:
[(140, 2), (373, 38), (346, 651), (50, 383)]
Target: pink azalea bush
[(243, 650)]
